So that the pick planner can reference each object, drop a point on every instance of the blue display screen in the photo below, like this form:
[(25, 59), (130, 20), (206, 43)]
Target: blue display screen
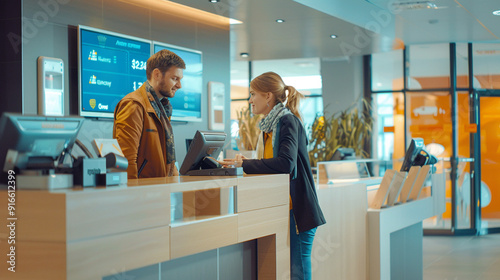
[(187, 101), (111, 66)]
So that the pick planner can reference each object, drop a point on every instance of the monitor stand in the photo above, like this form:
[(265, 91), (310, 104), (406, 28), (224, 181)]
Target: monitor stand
[(216, 172), (42, 180)]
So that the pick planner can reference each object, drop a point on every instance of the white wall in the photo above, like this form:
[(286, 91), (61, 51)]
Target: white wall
[(342, 83)]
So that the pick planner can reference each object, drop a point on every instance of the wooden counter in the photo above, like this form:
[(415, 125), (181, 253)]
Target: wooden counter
[(358, 242), (82, 233)]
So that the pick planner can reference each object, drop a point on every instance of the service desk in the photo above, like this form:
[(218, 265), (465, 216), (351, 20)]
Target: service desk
[(359, 242), (82, 233)]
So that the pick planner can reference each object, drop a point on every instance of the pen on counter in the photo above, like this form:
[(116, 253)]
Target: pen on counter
[(142, 167)]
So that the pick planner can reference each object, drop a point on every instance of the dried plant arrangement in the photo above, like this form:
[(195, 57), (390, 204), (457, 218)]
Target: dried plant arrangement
[(347, 129), (248, 129)]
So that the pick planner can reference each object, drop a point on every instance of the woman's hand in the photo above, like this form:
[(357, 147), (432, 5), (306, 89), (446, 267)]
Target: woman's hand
[(235, 162)]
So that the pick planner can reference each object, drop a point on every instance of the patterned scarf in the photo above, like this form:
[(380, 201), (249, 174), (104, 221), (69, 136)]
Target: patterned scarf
[(270, 122), (164, 112)]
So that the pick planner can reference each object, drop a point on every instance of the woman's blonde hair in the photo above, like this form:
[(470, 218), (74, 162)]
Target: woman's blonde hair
[(273, 83)]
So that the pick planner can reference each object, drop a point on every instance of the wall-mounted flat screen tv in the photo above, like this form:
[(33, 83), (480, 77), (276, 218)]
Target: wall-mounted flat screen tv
[(111, 65), (187, 101)]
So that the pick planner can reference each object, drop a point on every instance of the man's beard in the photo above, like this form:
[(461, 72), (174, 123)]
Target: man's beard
[(165, 93)]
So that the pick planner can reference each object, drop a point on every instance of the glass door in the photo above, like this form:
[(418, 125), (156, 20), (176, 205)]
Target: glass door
[(489, 190), (486, 57)]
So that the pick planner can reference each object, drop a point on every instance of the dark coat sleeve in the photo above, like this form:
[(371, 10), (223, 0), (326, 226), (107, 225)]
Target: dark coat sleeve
[(285, 159)]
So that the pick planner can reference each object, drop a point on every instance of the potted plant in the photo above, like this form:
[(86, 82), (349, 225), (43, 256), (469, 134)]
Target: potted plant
[(248, 133), (348, 129)]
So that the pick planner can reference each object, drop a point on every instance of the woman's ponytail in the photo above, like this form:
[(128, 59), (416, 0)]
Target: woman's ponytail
[(293, 100)]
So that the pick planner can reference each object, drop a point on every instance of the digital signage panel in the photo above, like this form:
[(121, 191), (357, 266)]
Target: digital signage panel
[(187, 101), (111, 65)]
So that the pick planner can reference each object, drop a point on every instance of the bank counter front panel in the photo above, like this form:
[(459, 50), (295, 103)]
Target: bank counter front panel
[(92, 233)]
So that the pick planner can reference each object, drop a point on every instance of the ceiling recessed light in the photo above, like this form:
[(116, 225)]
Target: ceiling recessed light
[(213, 1), (280, 20), (244, 54), (415, 5), (304, 64), (333, 36), (234, 21), (496, 13)]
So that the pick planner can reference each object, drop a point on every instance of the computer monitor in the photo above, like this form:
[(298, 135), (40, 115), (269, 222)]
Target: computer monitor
[(38, 140), (412, 153), (204, 144)]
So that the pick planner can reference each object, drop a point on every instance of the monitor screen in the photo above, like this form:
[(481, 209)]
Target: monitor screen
[(204, 144), (36, 137), (111, 65), (416, 146), (187, 101)]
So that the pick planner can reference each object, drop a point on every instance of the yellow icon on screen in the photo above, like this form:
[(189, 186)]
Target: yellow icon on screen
[(93, 55), (92, 103)]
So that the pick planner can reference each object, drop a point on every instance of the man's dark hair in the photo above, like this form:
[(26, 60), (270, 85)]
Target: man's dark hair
[(163, 60)]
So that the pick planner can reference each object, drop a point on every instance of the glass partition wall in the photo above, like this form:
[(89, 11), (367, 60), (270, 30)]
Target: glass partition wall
[(426, 91)]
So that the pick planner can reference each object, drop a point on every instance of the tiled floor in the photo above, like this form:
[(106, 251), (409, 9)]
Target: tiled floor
[(462, 258)]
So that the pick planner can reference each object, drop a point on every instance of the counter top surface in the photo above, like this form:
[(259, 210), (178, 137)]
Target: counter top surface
[(371, 181), (176, 184)]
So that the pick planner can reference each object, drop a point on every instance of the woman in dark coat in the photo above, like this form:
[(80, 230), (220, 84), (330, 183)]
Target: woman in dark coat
[(282, 148)]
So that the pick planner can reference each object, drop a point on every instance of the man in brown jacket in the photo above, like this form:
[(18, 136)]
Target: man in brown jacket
[(142, 119)]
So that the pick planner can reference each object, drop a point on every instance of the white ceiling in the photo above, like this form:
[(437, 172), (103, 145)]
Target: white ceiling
[(308, 25), (453, 21)]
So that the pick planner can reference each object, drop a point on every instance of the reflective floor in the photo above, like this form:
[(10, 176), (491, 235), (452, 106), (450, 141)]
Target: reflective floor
[(462, 258)]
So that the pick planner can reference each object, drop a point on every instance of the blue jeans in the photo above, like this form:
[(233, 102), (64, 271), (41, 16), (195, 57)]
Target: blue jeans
[(300, 251)]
